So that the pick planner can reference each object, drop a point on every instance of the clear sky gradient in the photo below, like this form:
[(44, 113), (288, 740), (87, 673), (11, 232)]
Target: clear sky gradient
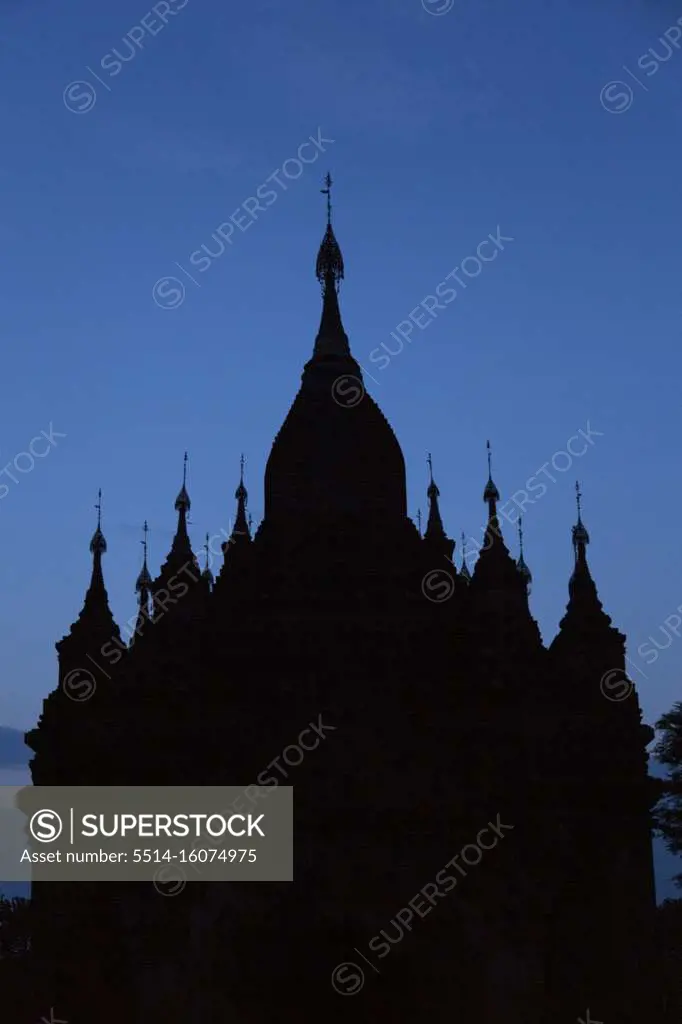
[(446, 127)]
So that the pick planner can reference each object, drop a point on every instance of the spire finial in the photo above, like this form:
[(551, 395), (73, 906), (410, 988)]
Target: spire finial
[(465, 568), (521, 564), (98, 545), (182, 502), (328, 193), (329, 268), (419, 521), (580, 535), (144, 581), (143, 542), (491, 495), (429, 463)]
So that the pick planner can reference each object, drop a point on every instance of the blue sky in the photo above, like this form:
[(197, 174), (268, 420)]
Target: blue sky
[(446, 128)]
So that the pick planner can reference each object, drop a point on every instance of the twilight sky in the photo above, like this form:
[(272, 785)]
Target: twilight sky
[(443, 126)]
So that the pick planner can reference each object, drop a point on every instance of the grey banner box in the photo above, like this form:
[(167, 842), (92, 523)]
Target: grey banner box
[(165, 834)]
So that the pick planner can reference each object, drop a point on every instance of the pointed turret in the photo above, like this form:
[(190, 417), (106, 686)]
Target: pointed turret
[(143, 588), (241, 523), (524, 571), (584, 605), (181, 566), (96, 614), (494, 567), (207, 575), (464, 571), (435, 536)]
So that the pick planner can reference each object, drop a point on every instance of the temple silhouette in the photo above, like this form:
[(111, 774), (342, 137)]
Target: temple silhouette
[(442, 713)]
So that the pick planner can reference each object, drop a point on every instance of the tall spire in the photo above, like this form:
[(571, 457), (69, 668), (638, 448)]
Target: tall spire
[(465, 568), (143, 587), (331, 338), (521, 564), (207, 574), (95, 623), (491, 495), (435, 532), (98, 547), (583, 602), (241, 530), (180, 557)]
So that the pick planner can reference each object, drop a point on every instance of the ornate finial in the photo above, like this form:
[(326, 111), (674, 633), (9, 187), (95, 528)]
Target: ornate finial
[(98, 545), (465, 568), (328, 193), (432, 491), (491, 493), (144, 580), (207, 574), (241, 494), (182, 502), (521, 564), (250, 521), (580, 534), (329, 268), (419, 521)]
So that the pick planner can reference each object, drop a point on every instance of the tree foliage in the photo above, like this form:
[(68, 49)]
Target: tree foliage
[(668, 752)]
